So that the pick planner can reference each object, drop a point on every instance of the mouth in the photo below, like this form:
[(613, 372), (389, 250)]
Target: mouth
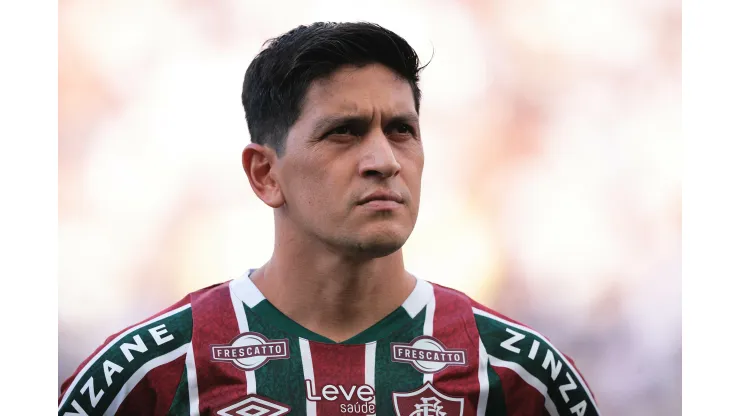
[(381, 197)]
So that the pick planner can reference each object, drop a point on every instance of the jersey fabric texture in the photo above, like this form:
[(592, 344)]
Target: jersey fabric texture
[(225, 350)]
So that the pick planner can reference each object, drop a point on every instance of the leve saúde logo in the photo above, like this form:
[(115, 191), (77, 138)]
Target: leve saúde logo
[(427, 401), (427, 354), (250, 351)]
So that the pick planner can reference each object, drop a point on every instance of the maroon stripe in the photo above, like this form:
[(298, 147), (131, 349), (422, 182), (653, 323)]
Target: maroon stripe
[(342, 366), (454, 325), (214, 322), (521, 398), (502, 316), (153, 395)]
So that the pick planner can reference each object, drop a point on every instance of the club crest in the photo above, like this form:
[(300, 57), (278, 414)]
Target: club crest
[(427, 401)]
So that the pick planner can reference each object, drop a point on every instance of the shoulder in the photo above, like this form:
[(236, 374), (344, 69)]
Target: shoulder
[(152, 350), (517, 350), (451, 301)]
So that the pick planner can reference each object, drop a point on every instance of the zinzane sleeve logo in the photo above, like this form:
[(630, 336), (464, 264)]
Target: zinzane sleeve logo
[(102, 385), (538, 363)]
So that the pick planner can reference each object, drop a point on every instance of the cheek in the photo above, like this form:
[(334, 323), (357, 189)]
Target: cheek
[(414, 168), (312, 185)]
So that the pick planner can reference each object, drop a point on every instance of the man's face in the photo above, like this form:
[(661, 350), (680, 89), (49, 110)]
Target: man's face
[(351, 170)]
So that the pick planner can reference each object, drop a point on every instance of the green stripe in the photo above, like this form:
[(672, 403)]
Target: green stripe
[(496, 401), (391, 323), (392, 376), (277, 319), (181, 402), (280, 380), (494, 333), (178, 325)]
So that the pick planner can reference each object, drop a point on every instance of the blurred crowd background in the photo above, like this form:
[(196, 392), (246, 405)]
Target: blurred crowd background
[(552, 187)]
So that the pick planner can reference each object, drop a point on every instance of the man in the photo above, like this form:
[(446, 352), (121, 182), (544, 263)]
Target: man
[(332, 324)]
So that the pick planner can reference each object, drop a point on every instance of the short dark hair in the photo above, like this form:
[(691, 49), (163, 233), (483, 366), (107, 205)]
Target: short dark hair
[(276, 81)]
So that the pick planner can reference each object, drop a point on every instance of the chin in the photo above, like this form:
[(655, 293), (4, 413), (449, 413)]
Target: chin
[(380, 244), (377, 249), (371, 241)]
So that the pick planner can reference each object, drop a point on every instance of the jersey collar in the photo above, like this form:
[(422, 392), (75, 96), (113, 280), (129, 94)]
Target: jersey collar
[(245, 290)]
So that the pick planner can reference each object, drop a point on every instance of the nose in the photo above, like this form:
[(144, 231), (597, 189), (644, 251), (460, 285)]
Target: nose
[(378, 157)]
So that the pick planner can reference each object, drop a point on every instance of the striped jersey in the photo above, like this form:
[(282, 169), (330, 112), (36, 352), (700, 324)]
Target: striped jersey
[(226, 351)]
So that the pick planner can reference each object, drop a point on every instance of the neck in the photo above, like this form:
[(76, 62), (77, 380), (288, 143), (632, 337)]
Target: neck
[(329, 294)]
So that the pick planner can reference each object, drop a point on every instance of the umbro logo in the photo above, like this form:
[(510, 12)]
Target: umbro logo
[(427, 354), (250, 351), (255, 405)]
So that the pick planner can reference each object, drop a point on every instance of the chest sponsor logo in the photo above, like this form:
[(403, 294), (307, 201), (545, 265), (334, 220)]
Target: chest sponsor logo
[(427, 354), (352, 399), (255, 405), (427, 401), (250, 351)]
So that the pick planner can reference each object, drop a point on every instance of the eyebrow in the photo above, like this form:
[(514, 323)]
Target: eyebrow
[(408, 118), (338, 120)]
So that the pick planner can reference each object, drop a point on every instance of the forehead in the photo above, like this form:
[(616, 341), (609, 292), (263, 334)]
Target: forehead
[(358, 90)]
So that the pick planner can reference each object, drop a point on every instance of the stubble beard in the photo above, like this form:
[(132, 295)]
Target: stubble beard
[(375, 244)]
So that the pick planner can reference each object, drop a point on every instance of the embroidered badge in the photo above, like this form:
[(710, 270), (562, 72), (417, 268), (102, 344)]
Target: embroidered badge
[(250, 351), (427, 354)]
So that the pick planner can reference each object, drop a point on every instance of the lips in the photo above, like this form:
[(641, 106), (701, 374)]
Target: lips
[(382, 196)]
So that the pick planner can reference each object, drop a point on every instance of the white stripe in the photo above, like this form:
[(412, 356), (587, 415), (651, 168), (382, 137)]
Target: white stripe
[(100, 353), (192, 382), (307, 373), (429, 329), (418, 298), (482, 378), (546, 341), (241, 319), (141, 373), (370, 366), (245, 289), (529, 379)]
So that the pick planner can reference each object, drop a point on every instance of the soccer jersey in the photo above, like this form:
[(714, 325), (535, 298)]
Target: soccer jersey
[(225, 350)]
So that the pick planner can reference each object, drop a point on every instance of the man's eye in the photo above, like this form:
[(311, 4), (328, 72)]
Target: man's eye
[(404, 129), (342, 131)]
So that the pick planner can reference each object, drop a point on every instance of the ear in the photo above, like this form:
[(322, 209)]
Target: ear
[(259, 165)]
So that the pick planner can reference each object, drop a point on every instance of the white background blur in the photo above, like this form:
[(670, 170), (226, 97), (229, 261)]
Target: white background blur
[(552, 183)]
